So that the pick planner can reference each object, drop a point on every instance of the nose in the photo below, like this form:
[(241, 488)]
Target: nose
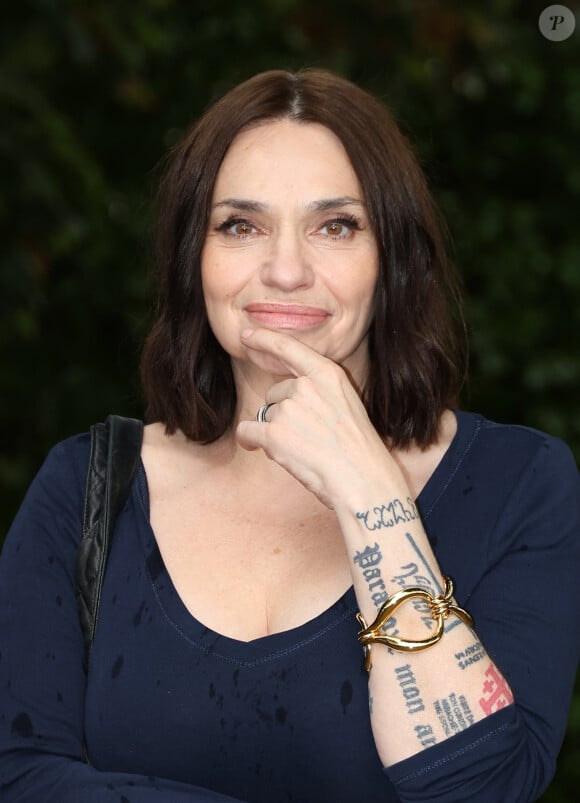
[(286, 265)]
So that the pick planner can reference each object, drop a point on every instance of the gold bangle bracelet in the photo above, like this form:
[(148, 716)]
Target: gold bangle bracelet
[(440, 606)]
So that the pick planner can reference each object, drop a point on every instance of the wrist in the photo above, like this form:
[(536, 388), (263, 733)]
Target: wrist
[(376, 504)]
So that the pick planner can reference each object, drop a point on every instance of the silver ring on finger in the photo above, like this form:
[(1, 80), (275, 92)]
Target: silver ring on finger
[(261, 415)]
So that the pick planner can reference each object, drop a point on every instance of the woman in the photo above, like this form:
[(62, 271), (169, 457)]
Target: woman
[(304, 465)]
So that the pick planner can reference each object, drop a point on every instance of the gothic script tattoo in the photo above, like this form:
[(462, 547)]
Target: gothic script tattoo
[(389, 515), (368, 560), (408, 685), (425, 735)]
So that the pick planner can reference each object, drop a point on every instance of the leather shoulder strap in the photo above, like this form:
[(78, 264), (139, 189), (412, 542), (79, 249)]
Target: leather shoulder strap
[(113, 462)]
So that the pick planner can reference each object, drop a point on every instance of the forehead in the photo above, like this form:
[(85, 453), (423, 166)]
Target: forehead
[(283, 155)]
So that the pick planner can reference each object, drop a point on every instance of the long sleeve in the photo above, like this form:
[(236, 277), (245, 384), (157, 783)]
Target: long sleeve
[(523, 596), (502, 514), (42, 682)]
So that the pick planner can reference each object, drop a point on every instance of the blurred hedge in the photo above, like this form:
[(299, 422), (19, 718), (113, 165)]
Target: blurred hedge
[(93, 94)]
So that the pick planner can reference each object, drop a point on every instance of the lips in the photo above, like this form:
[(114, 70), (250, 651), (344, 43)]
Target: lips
[(286, 316)]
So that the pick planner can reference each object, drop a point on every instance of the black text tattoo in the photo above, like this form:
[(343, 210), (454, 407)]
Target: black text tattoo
[(368, 560), (410, 575), (425, 735), (430, 580), (454, 713), (408, 685), (389, 515), (470, 655)]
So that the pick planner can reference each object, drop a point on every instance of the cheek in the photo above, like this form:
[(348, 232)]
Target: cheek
[(214, 281), (223, 274), (363, 299), (219, 293), (360, 290), (213, 298)]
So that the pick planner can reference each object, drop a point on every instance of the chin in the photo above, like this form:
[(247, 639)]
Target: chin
[(272, 366)]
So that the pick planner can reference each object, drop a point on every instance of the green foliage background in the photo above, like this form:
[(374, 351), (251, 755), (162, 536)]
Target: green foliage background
[(93, 94)]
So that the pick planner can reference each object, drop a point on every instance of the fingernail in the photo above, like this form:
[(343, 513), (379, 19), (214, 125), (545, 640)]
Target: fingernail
[(246, 333)]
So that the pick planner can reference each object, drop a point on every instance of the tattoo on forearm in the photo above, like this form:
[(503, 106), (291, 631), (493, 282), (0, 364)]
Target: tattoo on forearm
[(389, 515), (470, 655), (368, 560), (408, 685), (497, 693), (429, 581), (424, 562), (410, 575), (454, 713), (425, 735), (418, 574)]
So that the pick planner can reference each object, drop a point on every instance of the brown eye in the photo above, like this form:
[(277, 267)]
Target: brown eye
[(242, 229), (341, 228), (237, 227), (334, 229)]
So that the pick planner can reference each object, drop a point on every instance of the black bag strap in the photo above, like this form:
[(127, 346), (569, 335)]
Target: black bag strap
[(113, 462)]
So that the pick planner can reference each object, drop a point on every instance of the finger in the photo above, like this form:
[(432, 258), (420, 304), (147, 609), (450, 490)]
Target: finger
[(280, 391), (251, 435), (297, 357), (261, 415)]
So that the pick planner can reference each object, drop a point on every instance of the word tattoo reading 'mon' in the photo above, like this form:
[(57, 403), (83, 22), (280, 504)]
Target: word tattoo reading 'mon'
[(496, 692), (408, 685), (470, 655), (453, 713), (389, 515)]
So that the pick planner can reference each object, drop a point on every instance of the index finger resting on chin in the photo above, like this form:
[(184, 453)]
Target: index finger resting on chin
[(299, 358)]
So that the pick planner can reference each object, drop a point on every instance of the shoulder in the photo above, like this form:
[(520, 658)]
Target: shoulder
[(512, 448), (507, 490), (49, 520), (65, 467), (167, 456), (521, 479)]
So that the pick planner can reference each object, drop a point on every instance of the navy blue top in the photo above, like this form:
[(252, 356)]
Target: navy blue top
[(173, 712)]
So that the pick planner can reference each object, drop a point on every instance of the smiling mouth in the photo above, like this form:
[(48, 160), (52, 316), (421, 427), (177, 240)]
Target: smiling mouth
[(287, 316)]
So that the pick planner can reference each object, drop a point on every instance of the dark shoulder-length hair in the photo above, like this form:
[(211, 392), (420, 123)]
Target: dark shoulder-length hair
[(416, 359)]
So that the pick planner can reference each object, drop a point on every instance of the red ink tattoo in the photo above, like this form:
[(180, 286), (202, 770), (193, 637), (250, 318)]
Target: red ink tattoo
[(496, 691)]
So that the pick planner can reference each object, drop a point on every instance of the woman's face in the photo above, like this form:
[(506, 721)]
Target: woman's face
[(289, 246)]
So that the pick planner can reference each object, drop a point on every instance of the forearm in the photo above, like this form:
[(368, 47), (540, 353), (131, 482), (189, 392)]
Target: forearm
[(422, 698), (517, 565)]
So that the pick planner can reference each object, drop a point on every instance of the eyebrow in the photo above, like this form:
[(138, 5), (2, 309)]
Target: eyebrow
[(324, 205)]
